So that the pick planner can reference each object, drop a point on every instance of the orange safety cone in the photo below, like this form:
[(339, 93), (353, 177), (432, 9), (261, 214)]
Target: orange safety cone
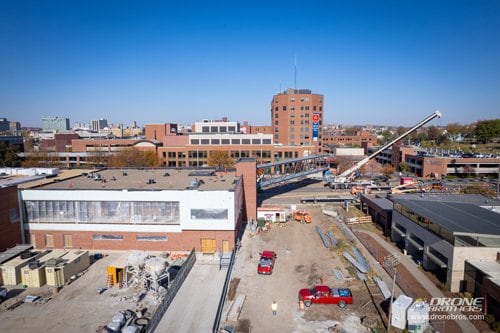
[(301, 306)]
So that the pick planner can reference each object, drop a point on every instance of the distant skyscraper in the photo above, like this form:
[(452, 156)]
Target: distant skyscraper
[(55, 124), (96, 125), (297, 118)]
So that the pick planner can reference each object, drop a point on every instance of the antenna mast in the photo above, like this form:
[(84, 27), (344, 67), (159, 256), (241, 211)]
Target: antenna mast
[(295, 72)]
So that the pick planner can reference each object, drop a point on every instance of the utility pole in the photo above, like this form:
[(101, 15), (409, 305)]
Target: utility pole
[(390, 262)]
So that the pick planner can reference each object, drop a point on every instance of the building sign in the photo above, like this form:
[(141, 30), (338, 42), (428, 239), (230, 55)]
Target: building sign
[(315, 126)]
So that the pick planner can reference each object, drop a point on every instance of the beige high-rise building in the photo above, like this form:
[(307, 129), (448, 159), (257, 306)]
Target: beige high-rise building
[(297, 118)]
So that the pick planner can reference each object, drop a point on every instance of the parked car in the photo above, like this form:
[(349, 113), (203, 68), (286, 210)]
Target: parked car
[(326, 295), (266, 262)]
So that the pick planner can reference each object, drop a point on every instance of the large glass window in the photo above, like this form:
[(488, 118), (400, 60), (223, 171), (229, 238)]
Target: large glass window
[(155, 212), (209, 214)]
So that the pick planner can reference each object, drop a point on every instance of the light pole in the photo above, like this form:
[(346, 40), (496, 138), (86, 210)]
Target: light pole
[(391, 261)]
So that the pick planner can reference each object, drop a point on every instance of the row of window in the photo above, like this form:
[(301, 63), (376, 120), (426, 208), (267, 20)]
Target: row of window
[(218, 129), (230, 141), (40, 211), (68, 239)]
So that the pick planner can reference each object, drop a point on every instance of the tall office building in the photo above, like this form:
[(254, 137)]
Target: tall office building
[(55, 124), (99, 124), (297, 118)]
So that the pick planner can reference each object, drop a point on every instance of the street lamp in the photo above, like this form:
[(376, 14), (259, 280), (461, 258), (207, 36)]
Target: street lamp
[(390, 262)]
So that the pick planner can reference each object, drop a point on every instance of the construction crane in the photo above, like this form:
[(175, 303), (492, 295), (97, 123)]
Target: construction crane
[(348, 175)]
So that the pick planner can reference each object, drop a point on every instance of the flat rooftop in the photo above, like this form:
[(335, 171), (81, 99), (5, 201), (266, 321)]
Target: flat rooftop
[(457, 213), (145, 179)]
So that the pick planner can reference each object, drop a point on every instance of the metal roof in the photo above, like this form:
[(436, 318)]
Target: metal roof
[(458, 214)]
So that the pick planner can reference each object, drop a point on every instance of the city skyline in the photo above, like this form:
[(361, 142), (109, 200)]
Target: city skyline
[(375, 62)]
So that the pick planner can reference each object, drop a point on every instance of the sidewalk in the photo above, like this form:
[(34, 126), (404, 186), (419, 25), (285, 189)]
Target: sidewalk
[(425, 282)]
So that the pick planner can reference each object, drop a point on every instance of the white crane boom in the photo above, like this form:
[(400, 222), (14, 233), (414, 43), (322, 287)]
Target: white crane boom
[(344, 176)]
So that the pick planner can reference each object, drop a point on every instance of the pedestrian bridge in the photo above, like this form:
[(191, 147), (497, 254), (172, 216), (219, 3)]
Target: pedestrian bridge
[(281, 172)]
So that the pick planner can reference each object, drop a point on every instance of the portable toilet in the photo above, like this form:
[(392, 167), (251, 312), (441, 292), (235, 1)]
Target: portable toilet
[(11, 270), (60, 270), (118, 268), (33, 274), (398, 312), (418, 317)]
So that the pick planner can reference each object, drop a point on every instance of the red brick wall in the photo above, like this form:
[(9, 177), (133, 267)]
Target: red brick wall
[(248, 169), (10, 233), (182, 241)]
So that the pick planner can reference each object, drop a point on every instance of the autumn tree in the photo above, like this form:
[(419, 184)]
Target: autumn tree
[(220, 159), (133, 158), (387, 170), (454, 131)]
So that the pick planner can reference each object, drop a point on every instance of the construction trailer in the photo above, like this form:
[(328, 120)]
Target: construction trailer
[(273, 213), (33, 274), (60, 270), (11, 270), (12, 253)]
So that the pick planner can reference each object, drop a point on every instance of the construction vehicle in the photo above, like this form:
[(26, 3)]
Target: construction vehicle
[(302, 216), (348, 175)]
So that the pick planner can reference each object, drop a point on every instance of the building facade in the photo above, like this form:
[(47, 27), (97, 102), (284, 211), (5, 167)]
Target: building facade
[(154, 210), (55, 124), (297, 118)]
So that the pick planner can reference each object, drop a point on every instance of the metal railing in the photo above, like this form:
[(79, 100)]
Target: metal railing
[(215, 327), (172, 291)]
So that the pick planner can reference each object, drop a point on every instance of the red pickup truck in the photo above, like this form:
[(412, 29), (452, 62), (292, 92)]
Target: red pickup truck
[(266, 262), (326, 295)]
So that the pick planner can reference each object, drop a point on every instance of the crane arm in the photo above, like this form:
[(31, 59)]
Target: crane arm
[(351, 170)]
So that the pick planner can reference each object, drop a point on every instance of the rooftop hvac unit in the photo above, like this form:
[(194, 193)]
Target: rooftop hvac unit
[(34, 264), (54, 262)]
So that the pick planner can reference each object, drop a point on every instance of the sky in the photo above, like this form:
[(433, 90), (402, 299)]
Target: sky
[(376, 62)]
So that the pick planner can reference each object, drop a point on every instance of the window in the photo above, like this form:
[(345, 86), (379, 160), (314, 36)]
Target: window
[(276, 122), (225, 141), (214, 129), (276, 115), (106, 237), (266, 141), (152, 238), (256, 141), (321, 108), (209, 214), (215, 141), (245, 141), (231, 129), (195, 141), (292, 122), (49, 240), (307, 99), (205, 141), (292, 108), (284, 107), (276, 109), (68, 240), (302, 99), (307, 107), (314, 107), (292, 99), (235, 141), (223, 129), (205, 129)]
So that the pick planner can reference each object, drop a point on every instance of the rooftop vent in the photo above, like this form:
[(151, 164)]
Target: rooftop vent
[(202, 173), (195, 183), (151, 181)]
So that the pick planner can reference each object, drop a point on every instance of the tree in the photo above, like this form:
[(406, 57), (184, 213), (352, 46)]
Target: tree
[(487, 130), (387, 170), (402, 166), (133, 158), (220, 159), (40, 159), (455, 131), (8, 156)]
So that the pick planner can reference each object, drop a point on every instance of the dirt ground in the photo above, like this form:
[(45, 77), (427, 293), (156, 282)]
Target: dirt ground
[(77, 307), (302, 261)]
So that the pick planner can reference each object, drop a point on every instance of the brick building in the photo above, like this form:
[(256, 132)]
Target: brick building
[(297, 118), (153, 209)]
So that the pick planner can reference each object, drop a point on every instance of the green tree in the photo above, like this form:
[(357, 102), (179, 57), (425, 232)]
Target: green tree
[(454, 131), (487, 130), (8, 156), (402, 166)]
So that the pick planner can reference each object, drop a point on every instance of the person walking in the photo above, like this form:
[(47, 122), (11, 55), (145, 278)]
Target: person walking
[(274, 307)]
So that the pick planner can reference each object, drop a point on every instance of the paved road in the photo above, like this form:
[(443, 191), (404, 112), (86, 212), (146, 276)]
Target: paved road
[(195, 305), (428, 285)]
